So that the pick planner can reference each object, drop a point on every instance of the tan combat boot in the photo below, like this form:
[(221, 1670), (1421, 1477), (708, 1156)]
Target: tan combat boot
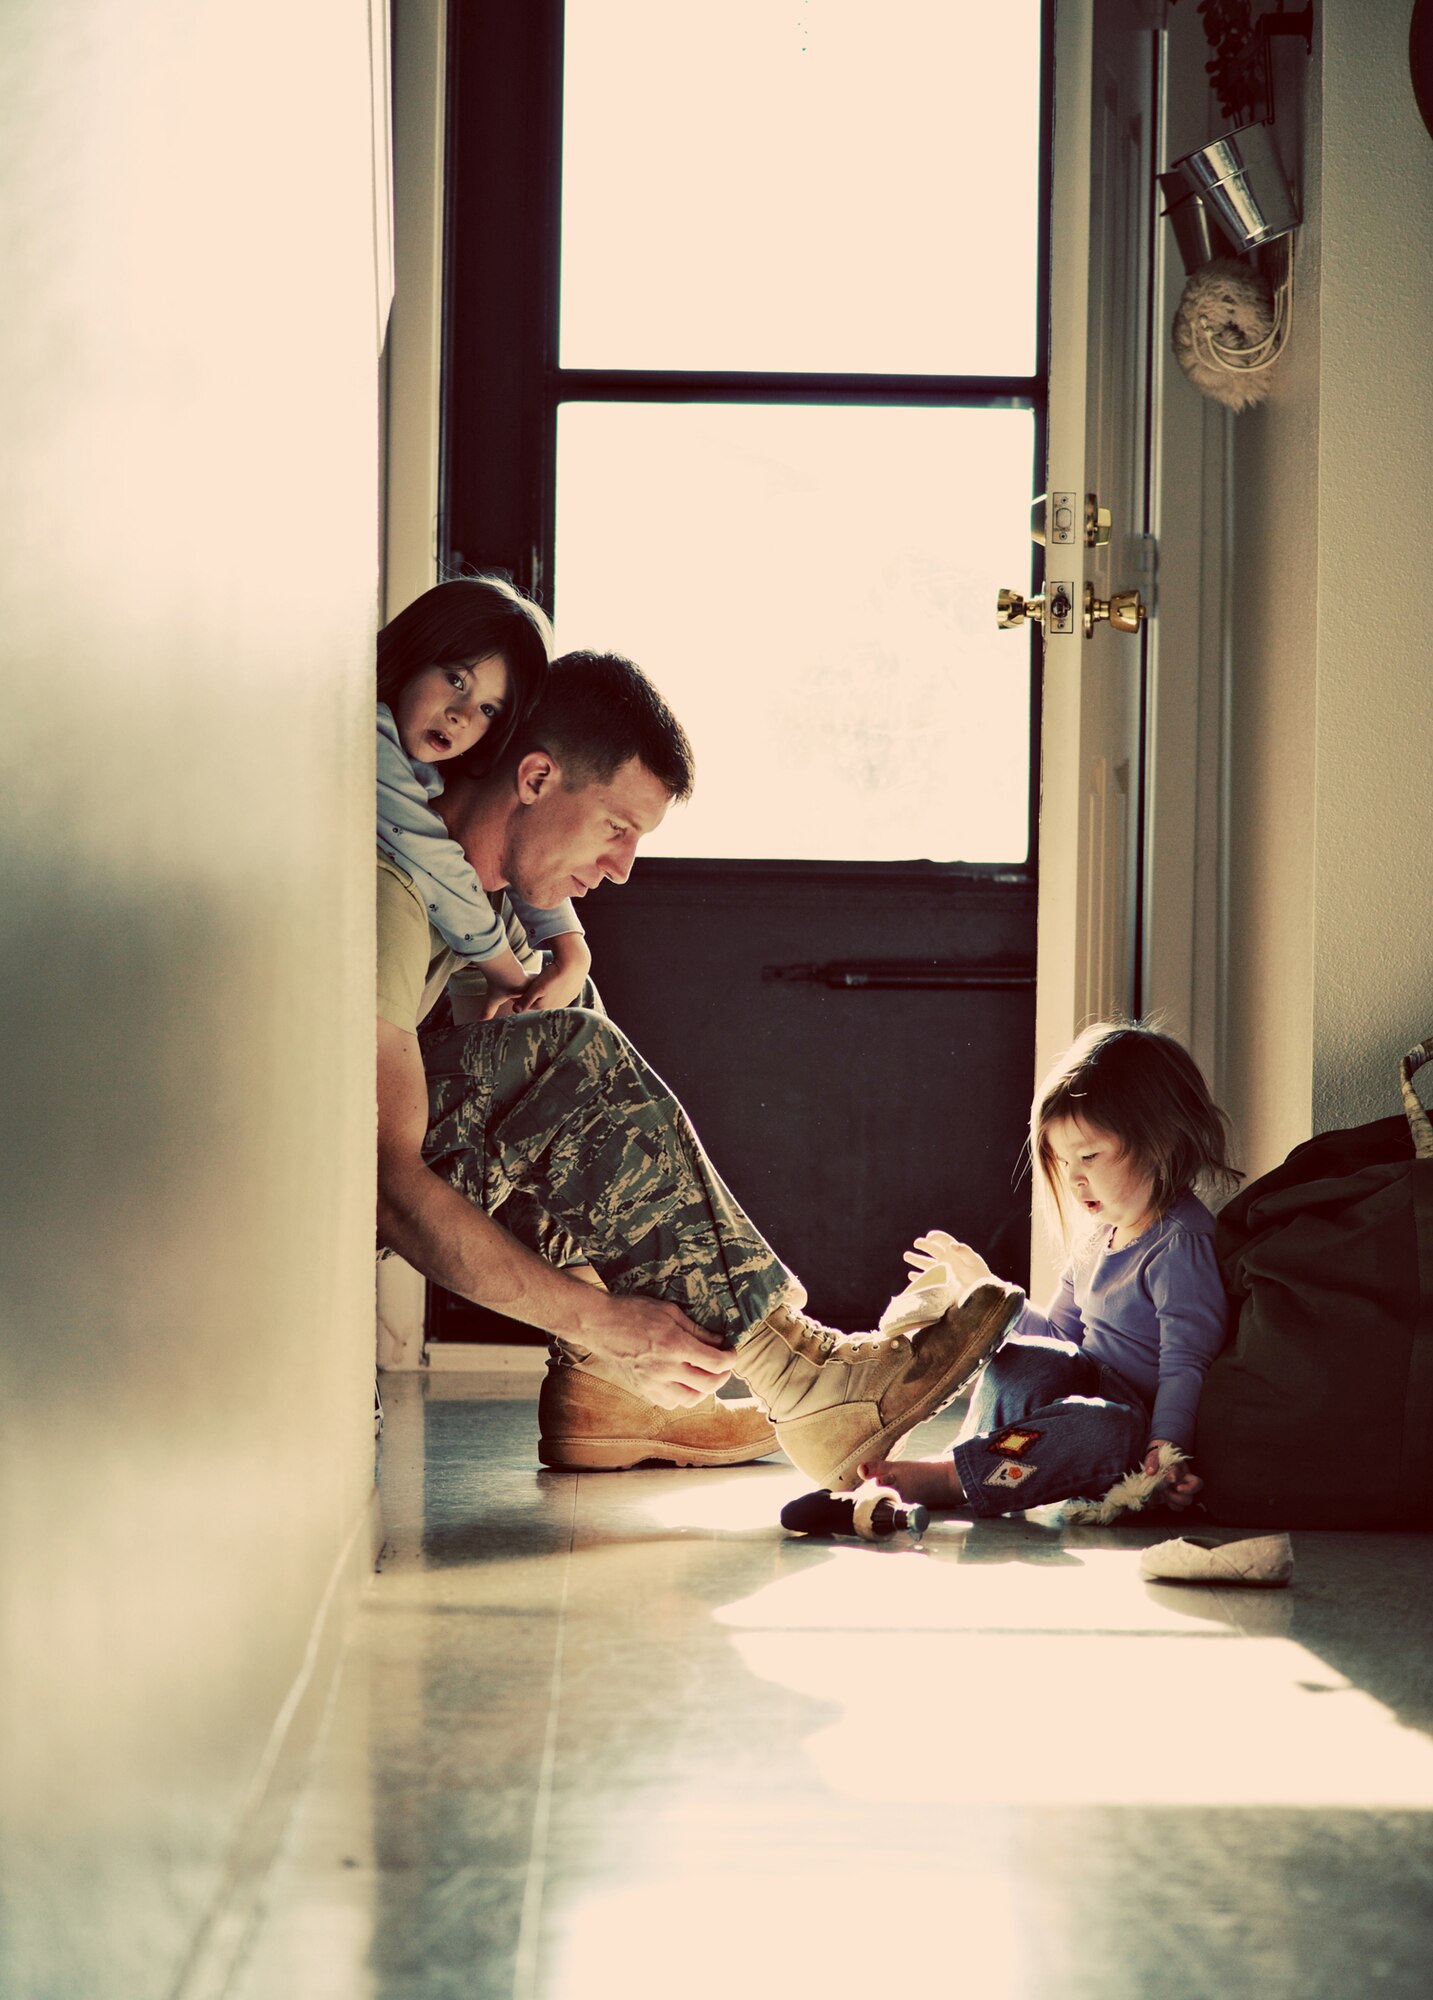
[(588, 1424), (837, 1398)]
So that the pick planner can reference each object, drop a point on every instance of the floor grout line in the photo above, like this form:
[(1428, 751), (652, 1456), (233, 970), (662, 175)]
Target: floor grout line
[(535, 1882)]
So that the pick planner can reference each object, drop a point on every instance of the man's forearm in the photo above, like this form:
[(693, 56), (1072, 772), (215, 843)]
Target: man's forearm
[(654, 1348), (454, 1243)]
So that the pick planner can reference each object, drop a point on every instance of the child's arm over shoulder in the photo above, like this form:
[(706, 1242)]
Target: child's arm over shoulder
[(559, 930), (544, 926), (561, 983)]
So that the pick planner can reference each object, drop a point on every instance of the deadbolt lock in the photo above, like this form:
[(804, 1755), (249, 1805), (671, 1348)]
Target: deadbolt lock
[(1123, 609), (1052, 521)]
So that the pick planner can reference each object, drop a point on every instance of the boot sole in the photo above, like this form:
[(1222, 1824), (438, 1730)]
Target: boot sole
[(844, 1475), (623, 1454)]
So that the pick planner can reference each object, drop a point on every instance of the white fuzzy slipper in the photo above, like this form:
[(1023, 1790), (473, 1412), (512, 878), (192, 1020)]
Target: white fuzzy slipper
[(1128, 1495), (1266, 1562)]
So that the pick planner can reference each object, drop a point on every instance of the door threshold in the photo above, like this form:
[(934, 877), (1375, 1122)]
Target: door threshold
[(484, 1358)]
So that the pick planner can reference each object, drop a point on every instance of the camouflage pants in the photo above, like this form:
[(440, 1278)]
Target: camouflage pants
[(553, 1123)]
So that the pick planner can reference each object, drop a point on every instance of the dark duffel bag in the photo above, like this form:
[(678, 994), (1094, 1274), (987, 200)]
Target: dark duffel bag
[(1319, 1413)]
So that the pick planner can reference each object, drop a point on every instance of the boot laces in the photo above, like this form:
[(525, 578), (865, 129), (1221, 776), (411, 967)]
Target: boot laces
[(830, 1337)]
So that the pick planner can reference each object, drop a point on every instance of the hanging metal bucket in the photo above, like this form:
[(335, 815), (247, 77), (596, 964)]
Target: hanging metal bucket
[(1196, 231), (1241, 184)]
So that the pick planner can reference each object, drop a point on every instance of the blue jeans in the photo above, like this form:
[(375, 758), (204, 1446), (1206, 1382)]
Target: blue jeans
[(1047, 1422)]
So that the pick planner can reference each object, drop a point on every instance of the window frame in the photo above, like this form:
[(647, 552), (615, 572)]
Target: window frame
[(502, 383)]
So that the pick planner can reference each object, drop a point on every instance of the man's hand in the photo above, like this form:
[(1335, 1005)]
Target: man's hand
[(1181, 1482), (650, 1343), (660, 1354)]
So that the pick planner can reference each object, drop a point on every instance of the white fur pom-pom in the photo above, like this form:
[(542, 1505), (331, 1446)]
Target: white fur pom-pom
[(1127, 1495), (1223, 333)]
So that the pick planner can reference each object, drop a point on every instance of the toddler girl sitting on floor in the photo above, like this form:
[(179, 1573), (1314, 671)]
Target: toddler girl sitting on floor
[(1109, 1376)]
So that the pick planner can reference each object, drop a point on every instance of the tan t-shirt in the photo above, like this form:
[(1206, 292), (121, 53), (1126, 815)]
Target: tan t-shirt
[(414, 963)]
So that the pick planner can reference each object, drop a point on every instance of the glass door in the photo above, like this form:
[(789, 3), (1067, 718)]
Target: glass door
[(746, 379)]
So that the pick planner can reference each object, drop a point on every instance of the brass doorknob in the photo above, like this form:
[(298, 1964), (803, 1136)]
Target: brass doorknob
[(1051, 610), (1011, 609), (1123, 609)]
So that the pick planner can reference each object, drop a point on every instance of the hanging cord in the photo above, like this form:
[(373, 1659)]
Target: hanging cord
[(1253, 360)]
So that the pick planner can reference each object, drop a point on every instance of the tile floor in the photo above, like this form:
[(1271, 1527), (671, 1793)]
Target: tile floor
[(617, 1734)]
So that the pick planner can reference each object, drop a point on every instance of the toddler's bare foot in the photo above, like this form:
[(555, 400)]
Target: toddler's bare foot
[(934, 1482)]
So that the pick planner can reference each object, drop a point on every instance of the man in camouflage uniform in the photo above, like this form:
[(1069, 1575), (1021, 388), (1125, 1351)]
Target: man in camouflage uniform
[(567, 1114), (525, 1153)]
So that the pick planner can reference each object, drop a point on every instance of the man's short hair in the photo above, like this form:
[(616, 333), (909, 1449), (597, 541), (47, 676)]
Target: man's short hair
[(596, 711)]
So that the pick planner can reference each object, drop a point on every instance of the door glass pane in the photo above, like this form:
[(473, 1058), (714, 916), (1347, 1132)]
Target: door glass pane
[(826, 185), (813, 590)]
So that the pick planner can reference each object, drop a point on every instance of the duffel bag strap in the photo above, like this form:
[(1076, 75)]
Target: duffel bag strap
[(1416, 1481), (1419, 1122)]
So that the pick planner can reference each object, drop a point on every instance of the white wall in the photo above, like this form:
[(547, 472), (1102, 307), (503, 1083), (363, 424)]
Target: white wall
[(1273, 646), (187, 588), (1329, 870), (1184, 688), (412, 377), (413, 354), (1373, 885)]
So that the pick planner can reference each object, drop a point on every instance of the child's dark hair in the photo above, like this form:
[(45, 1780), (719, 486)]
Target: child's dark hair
[(467, 619), (1140, 1086), (598, 710)]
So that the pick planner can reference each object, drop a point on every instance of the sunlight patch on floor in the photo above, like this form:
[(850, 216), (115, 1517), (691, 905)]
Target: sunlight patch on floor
[(1097, 1718), (772, 1930), (943, 1587), (720, 1504)]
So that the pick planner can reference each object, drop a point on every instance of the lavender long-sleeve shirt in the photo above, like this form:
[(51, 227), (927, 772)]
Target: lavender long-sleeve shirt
[(1155, 1310)]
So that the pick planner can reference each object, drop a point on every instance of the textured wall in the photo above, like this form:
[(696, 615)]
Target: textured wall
[(1330, 972), (1273, 645), (187, 585), (1373, 893)]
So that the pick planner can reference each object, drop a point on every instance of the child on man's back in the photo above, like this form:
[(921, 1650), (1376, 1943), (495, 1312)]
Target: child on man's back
[(1110, 1374), (459, 668)]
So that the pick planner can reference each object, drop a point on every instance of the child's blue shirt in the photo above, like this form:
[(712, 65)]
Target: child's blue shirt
[(411, 833), (1154, 1309)]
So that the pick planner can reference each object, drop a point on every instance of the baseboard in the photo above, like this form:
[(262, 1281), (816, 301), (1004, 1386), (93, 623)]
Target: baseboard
[(480, 1358), (282, 1770)]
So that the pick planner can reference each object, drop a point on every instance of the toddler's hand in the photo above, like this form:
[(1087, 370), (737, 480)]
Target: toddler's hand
[(1181, 1482), (554, 986), (496, 1005), (967, 1267)]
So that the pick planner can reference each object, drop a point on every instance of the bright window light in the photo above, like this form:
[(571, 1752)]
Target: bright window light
[(813, 590), (826, 185)]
